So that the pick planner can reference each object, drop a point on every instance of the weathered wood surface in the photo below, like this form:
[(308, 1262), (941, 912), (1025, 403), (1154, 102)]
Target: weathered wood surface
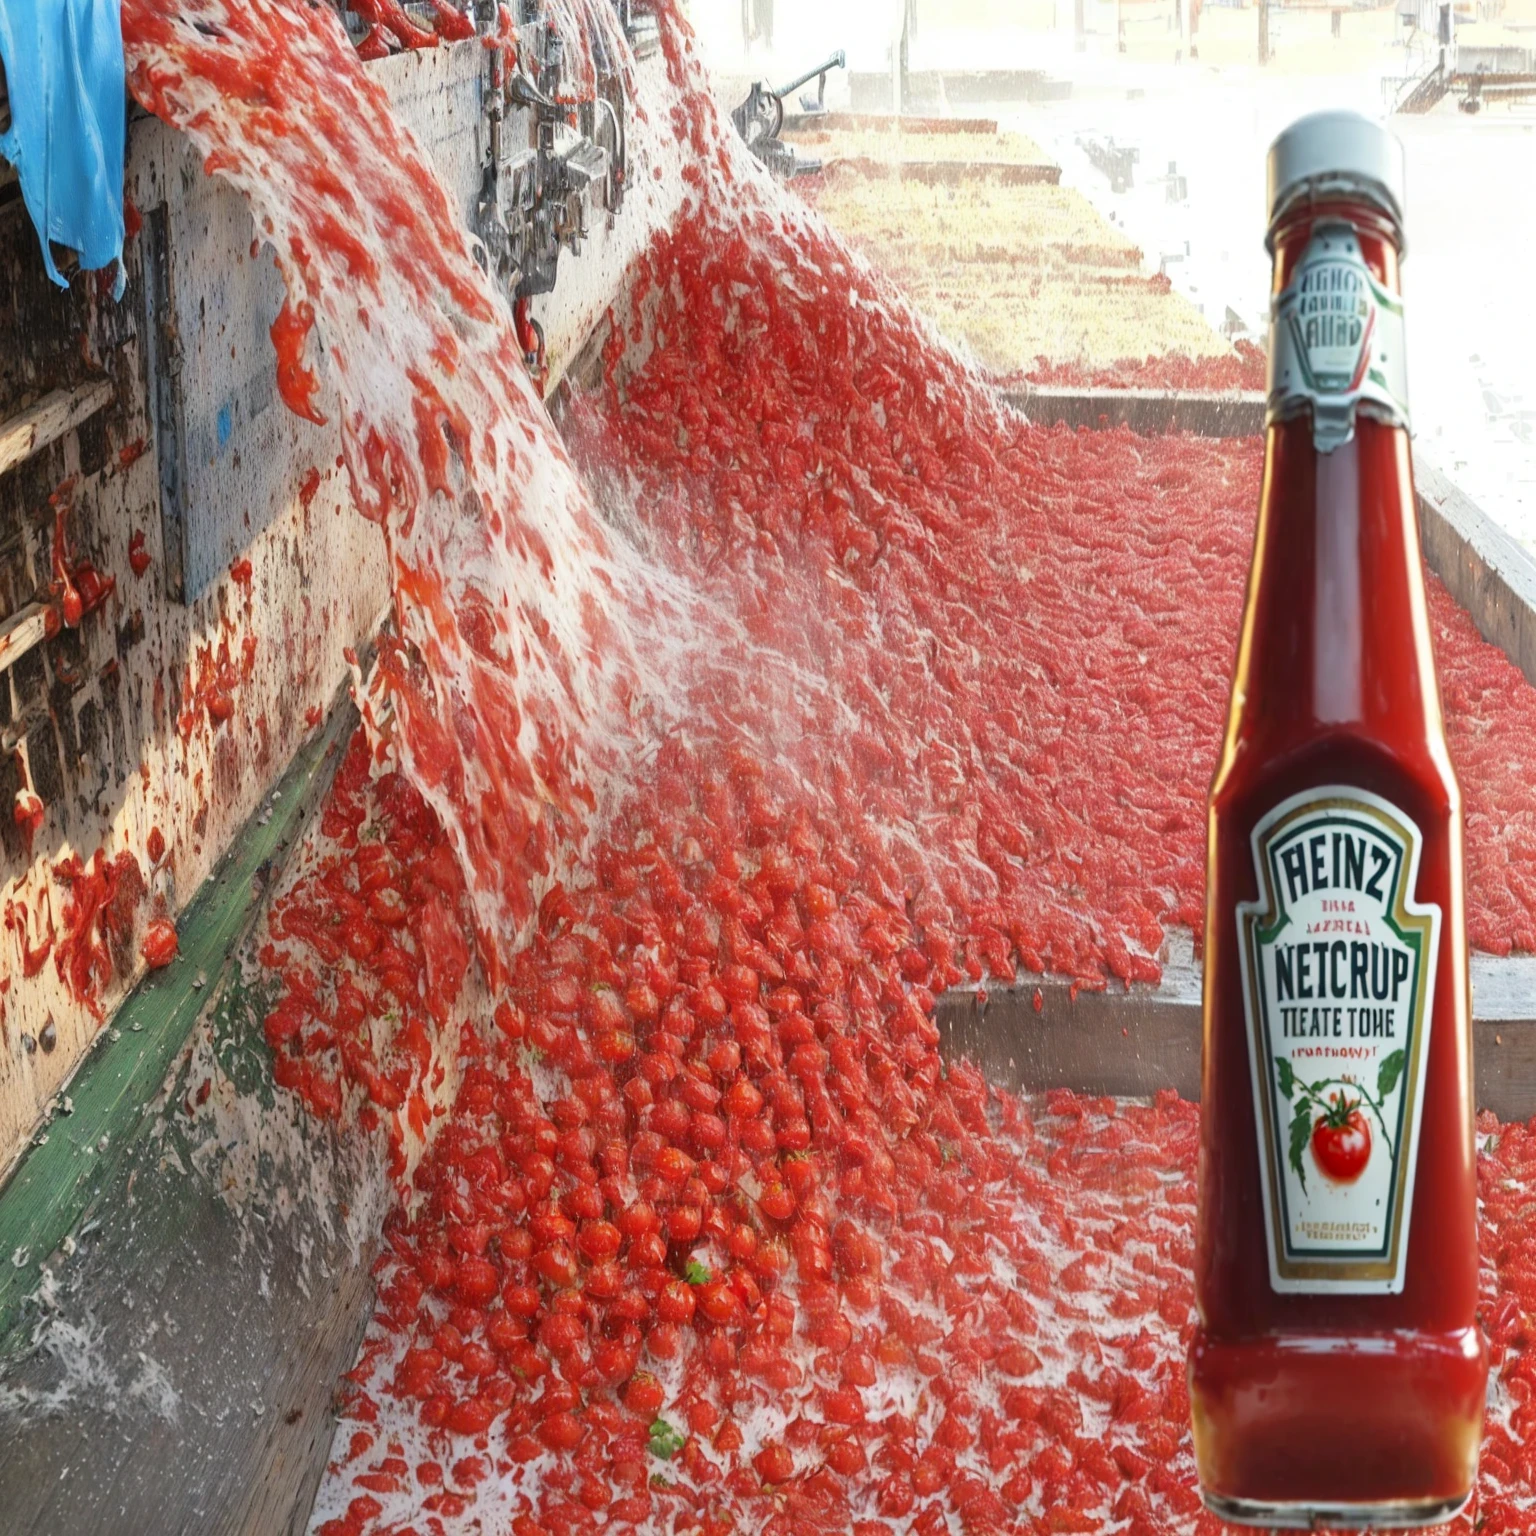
[(22, 633), (57, 413), (1137, 1041), (1237, 413), (63, 1172), (89, 715)]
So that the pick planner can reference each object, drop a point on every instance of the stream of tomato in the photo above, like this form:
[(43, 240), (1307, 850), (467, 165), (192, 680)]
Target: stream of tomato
[(794, 684)]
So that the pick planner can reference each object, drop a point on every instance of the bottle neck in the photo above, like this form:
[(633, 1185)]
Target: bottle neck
[(1337, 348), (1335, 639)]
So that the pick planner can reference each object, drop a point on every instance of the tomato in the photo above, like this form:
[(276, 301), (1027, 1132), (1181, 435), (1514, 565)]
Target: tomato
[(1016, 1359), (562, 1336), (720, 1304), (637, 1218), (557, 1264), (775, 1463), (160, 943), (476, 1281), (599, 1241), (673, 1164), (644, 1395), (472, 1416), (665, 1340), (894, 1497), (648, 1250), (522, 1300), (846, 1456), (776, 1202), (1341, 1140), (562, 1431), (742, 1099), (676, 1302)]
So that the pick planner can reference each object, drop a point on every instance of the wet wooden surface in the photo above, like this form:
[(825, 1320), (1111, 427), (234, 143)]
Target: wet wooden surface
[(182, 1295)]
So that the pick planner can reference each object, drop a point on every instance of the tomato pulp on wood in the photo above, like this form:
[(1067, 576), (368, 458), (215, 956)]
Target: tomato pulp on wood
[(1327, 1397)]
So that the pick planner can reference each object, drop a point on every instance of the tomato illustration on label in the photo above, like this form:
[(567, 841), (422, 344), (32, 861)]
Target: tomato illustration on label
[(1341, 1140)]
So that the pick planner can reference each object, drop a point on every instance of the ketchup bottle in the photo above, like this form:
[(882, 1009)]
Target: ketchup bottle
[(1337, 1374)]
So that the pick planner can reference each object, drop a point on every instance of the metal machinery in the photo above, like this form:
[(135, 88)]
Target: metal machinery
[(556, 162), (547, 178), (1116, 161), (760, 118)]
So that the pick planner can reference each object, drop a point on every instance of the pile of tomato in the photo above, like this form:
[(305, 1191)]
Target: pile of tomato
[(710, 1239), (1029, 633), (1243, 369)]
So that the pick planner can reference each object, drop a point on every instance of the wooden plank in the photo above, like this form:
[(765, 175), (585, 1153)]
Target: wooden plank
[(1238, 413), (1036, 1035), (1483, 568), (21, 633), (61, 1170), (50, 419)]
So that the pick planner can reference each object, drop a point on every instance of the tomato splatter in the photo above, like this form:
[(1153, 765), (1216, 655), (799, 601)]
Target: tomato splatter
[(101, 899), (295, 383), (65, 593), (27, 812), (138, 556)]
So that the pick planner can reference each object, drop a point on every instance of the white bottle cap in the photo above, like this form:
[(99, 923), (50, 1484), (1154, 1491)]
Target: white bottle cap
[(1339, 152)]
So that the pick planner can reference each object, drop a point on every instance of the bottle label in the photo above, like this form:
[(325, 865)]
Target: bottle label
[(1336, 341), (1338, 968)]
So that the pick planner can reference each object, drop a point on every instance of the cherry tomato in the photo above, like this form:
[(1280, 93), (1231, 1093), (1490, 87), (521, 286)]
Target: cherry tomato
[(644, 1395), (775, 1463), (160, 943)]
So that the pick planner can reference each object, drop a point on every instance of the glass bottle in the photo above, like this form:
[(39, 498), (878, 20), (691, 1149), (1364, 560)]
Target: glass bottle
[(1337, 1373)]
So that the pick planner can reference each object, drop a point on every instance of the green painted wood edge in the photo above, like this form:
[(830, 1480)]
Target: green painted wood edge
[(73, 1157)]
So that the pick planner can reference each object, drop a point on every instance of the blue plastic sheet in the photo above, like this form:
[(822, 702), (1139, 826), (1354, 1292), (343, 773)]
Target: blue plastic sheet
[(64, 73)]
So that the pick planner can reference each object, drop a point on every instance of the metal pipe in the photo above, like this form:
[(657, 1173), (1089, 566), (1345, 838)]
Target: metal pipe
[(837, 60)]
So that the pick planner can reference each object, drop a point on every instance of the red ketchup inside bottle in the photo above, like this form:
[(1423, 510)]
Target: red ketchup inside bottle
[(1337, 1375)]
